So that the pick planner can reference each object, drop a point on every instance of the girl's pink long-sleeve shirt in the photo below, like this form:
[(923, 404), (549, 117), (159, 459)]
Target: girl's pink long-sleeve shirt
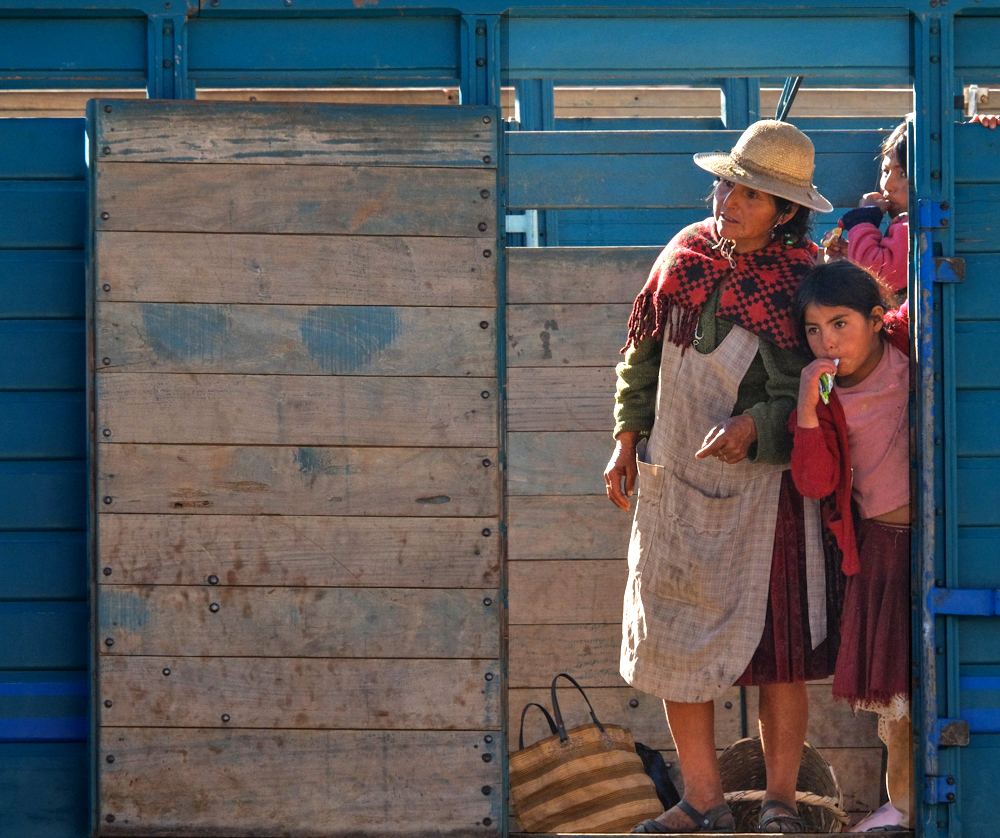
[(886, 256)]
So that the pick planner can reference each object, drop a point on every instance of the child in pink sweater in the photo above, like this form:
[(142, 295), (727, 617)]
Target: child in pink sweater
[(857, 235)]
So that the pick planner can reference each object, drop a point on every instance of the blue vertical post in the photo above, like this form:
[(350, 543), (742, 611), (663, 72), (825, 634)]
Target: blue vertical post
[(167, 51), (740, 103), (932, 309)]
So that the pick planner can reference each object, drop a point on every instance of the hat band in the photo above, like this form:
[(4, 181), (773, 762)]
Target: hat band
[(741, 169)]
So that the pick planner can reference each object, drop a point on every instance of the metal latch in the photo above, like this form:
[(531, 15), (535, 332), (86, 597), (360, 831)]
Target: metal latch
[(966, 602), (940, 790), (949, 269)]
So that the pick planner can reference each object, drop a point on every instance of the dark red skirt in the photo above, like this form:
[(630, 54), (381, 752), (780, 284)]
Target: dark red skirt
[(785, 653), (874, 662)]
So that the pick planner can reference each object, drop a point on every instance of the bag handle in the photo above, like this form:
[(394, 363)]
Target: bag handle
[(563, 736), (548, 718)]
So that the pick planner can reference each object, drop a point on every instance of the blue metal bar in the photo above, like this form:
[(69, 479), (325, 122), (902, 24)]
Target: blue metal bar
[(792, 84), (53, 729), (954, 602)]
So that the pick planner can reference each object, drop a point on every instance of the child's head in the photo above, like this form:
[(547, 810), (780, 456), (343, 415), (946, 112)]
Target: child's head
[(892, 177), (839, 308)]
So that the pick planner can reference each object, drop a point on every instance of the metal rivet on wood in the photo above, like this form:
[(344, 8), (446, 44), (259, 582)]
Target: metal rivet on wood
[(487, 601), (487, 462), (487, 120), (110, 758), (106, 432), (489, 676), (225, 717), (107, 571), (106, 287), (487, 821), (487, 253), (214, 608), (482, 226), (485, 394), (105, 361), (107, 108), (633, 703), (107, 499), (487, 159), (105, 215), (482, 325), (487, 789), (213, 580), (484, 194), (487, 532), (487, 757), (166, 670), (109, 642), (488, 739), (110, 818), (108, 704)]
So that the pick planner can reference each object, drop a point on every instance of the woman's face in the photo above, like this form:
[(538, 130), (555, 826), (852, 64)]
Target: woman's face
[(745, 215), (892, 182)]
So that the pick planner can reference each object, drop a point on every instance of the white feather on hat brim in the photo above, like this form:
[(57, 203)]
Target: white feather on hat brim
[(721, 164)]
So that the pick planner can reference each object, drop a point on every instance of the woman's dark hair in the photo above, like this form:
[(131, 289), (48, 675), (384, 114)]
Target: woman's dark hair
[(798, 228), (895, 144), (840, 283)]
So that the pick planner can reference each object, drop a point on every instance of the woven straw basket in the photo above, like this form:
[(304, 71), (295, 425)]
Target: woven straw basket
[(820, 800)]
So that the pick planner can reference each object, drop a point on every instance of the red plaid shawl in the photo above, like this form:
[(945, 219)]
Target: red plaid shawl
[(757, 297)]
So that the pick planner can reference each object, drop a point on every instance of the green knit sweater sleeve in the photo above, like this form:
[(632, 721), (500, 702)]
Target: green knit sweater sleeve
[(638, 376), (770, 415)]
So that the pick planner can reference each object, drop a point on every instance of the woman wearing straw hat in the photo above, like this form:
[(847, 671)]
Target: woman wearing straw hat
[(727, 581)]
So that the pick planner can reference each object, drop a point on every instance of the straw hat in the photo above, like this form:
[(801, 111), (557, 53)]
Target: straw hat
[(771, 156)]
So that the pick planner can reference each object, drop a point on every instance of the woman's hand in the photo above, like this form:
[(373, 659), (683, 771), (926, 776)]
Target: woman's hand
[(729, 441), (836, 249), (622, 468), (809, 391)]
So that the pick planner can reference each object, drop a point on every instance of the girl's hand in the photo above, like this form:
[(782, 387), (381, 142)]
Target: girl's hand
[(809, 391), (988, 120), (874, 199), (622, 469), (836, 249), (729, 441)]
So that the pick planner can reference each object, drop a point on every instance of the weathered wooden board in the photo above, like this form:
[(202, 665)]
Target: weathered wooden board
[(646, 720), (558, 527), (556, 592), (589, 652), (558, 275), (831, 723), (305, 783), (297, 622), (565, 399), (269, 480), (300, 693), (299, 551), (300, 270), (566, 335), (224, 197), (296, 409), (316, 134), (859, 774), (557, 463), (302, 340)]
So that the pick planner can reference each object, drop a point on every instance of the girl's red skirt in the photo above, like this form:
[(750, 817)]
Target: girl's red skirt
[(874, 662)]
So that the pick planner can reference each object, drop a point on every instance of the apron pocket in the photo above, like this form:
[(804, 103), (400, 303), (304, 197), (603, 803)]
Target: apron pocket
[(692, 558)]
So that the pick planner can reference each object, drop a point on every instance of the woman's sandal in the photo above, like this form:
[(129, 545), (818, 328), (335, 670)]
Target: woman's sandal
[(718, 819), (782, 815)]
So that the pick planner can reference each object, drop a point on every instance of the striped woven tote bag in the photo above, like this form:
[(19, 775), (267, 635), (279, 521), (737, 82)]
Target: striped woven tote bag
[(586, 779)]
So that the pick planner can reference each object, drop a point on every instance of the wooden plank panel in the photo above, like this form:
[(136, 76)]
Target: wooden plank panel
[(208, 782), (224, 197), (300, 410), (301, 551), (564, 335), (555, 527), (564, 399), (297, 622), (429, 482), (577, 274), (589, 651), (557, 463), (551, 593), (295, 340), (304, 270), (646, 720), (300, 693), (313, 134), (859, 774)]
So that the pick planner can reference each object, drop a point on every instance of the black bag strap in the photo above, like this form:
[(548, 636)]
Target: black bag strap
[(548, 718), (563, 736)]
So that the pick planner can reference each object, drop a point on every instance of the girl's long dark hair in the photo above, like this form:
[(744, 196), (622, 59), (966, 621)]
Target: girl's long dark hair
[(840, 283)]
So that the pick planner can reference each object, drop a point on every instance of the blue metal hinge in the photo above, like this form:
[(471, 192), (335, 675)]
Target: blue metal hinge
[(940, 790), (950, 733), (932, 215), (964, 602)]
